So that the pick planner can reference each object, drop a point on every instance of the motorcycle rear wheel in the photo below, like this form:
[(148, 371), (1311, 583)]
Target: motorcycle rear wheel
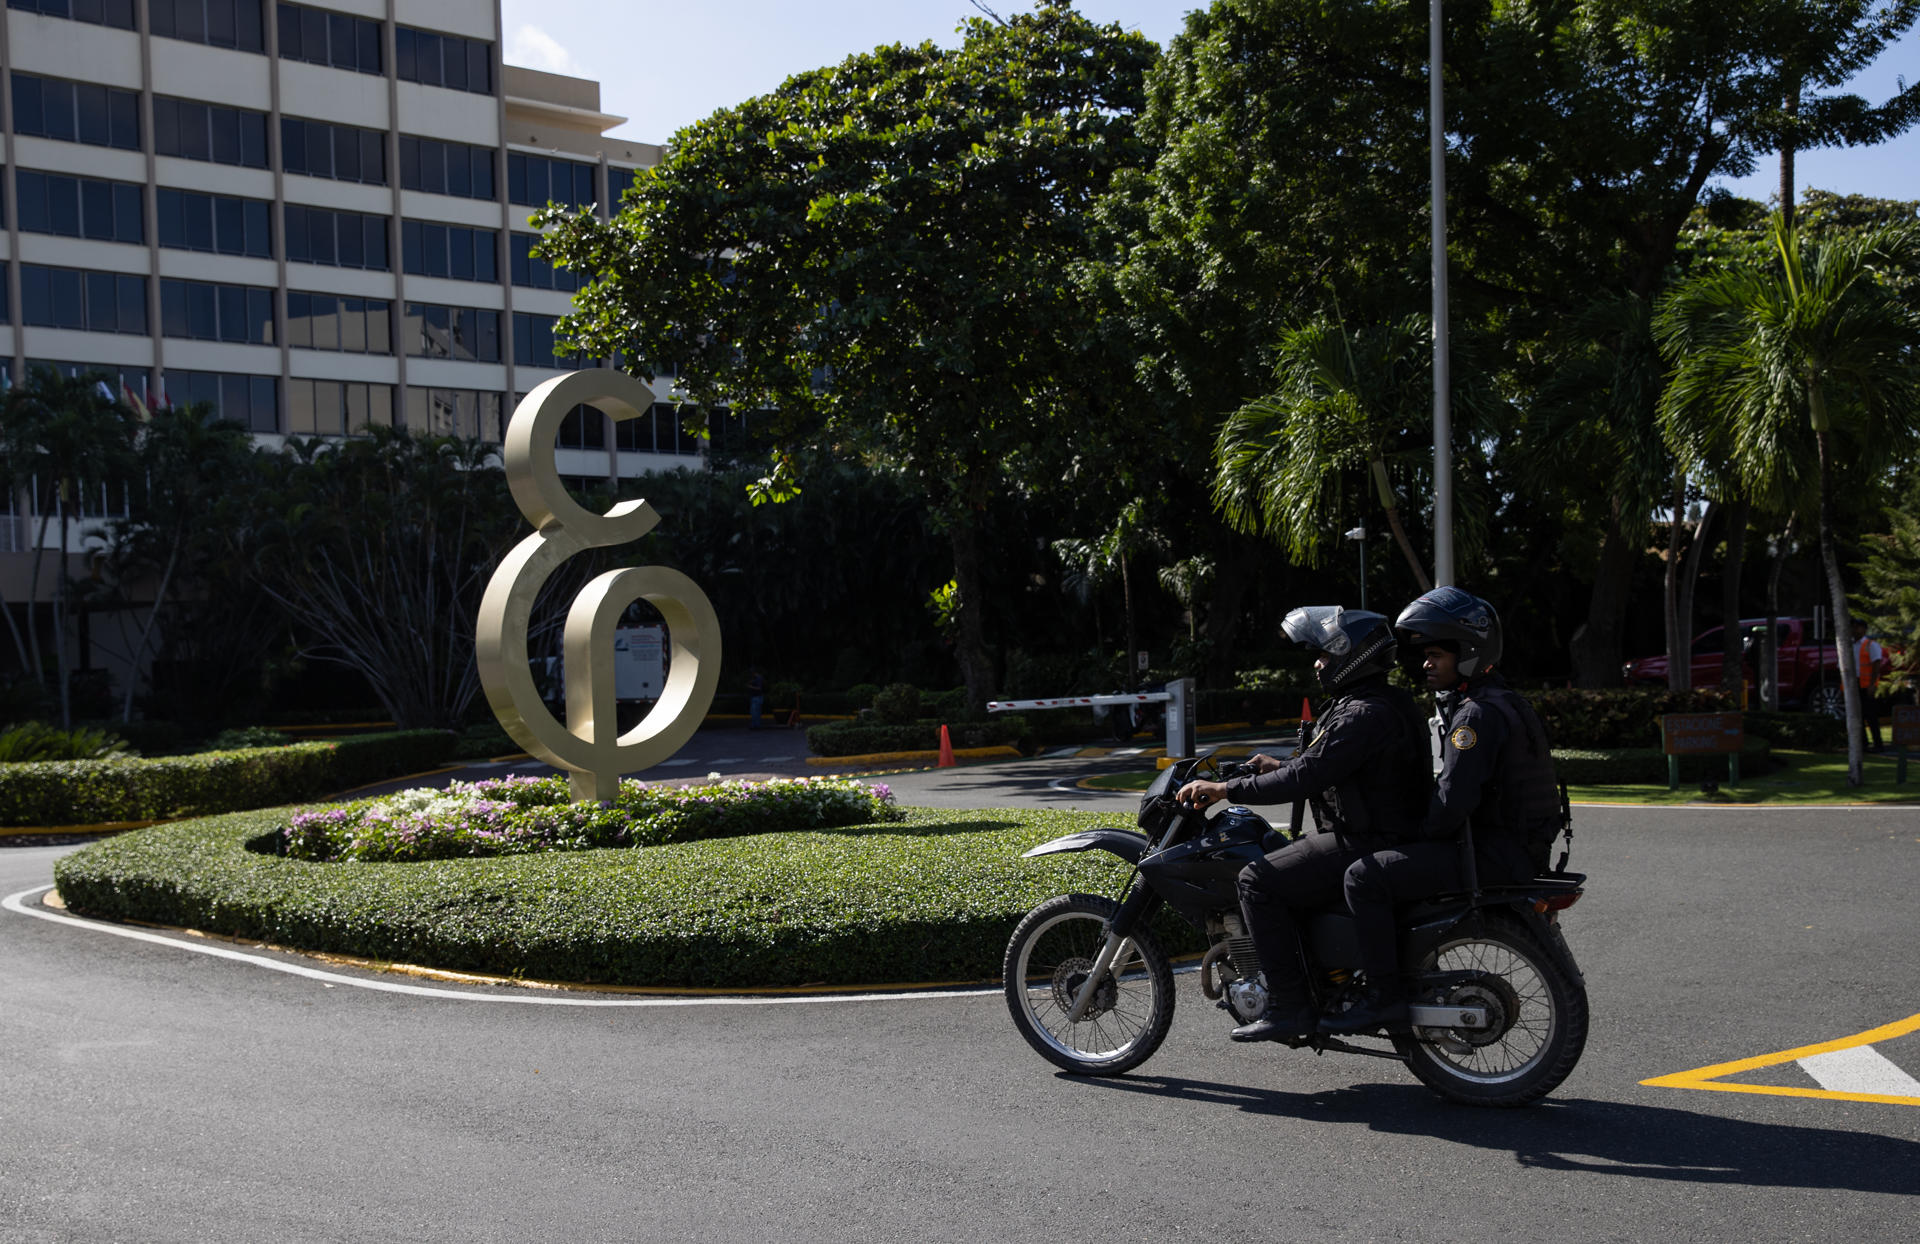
[(1047, 961), (1539, 1013)]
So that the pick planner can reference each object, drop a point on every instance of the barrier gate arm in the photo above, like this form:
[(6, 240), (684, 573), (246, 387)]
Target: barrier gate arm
[(1178, 696)]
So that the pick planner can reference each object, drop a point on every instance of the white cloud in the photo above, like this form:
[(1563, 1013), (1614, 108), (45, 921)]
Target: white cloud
[(533, 48)]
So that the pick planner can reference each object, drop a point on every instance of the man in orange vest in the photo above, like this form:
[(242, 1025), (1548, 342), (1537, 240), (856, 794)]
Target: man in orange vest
[(1872, 661)]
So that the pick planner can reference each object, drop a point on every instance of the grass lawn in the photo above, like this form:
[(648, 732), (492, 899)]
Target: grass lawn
[(1808, 778)]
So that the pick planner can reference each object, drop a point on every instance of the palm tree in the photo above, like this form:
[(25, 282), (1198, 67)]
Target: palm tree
[(1791, 367), (1114, 552), (63, 432), (1346, 404)]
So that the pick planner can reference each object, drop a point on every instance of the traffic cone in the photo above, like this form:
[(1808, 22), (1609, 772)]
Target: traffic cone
[(1306, 710), (946, 749)]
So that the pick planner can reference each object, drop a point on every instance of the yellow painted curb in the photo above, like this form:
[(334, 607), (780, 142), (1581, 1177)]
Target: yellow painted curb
[(1710, 1077), (104, 827)]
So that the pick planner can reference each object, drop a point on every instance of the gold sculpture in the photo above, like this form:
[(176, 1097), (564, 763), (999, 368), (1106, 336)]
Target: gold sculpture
[(588, 746)]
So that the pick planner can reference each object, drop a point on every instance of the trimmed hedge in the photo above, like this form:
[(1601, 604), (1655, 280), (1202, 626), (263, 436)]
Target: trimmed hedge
[(861, 738), (1647, 766), (1623, 717), (86, 792), (1803, 731), (933, 899)]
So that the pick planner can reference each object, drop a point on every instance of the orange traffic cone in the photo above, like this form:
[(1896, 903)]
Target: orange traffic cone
[(946, 749), (1306, 710)]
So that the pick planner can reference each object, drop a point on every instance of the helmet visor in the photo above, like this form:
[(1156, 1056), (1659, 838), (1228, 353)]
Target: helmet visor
[(1317, 627)]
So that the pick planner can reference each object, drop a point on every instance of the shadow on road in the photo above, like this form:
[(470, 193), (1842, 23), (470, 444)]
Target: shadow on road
[(1607, 1138)]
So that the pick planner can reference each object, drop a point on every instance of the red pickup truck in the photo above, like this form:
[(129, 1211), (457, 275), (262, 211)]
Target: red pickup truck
[(1809, 672)]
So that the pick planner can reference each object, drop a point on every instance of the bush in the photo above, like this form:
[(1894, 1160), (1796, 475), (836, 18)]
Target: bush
[(933, 899), (1801, 731), (1623, 717), (484, 739), (898, 704), (88, 792), (151, 736), (248, 736), (35, 741), (1647, 766), (517, 815), (861, 738), (860, 695)]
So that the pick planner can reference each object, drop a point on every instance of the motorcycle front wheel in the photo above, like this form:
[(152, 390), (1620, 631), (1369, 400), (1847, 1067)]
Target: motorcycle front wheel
[(1537, 1013), (1047, 963)]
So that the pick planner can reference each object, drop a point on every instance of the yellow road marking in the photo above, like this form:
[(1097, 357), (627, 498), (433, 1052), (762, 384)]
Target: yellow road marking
[(1711, 1078)]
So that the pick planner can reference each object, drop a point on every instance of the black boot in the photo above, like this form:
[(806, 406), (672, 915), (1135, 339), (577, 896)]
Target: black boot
[(1375, 1009), (1281, 1020)]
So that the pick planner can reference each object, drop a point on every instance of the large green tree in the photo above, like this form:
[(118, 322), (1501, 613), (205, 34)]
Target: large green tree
[(881, 252), (1798, 371)]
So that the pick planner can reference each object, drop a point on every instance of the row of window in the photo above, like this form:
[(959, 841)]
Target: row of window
[(308, 34), (529, 270), (446, 168), (212, 132), (218, 223), (662, 429), (341, 152), (334, 322), (75, 207), (318, 235), (95, 302), (83, 112), (537, 180), (205, 311), (452, 251)]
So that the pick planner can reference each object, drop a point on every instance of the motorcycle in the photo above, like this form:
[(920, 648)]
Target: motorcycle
[(1498, 1005)]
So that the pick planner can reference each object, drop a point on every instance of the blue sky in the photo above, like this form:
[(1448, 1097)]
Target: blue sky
[(667, 63)]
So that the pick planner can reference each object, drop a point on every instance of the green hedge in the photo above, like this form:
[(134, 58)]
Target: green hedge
[(1647, 766), (86, 792), (933, 899), (861, 738), (1802, 731), (1623, 717)]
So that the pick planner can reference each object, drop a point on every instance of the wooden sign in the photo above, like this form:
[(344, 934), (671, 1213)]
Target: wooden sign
[(1906, 725), (1702, 734)]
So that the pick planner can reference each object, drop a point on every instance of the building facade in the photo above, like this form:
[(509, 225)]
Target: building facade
[(311, 216)]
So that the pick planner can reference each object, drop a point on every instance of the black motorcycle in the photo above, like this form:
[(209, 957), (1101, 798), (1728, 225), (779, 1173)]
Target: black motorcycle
[(1499, 1008)]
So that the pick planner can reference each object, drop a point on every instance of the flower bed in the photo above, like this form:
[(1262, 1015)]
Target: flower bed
[(520, 815)]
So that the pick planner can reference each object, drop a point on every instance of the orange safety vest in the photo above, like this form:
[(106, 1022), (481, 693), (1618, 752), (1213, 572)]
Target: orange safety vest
[(1868, 674)]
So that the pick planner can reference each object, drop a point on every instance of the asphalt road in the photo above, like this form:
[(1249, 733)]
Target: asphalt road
[(157, 1094)]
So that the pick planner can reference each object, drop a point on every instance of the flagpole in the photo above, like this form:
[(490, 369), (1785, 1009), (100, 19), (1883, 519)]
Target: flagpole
[(1442, 366)]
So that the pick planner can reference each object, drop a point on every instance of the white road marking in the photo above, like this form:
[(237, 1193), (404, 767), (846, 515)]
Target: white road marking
[(668, 764), (17, 903), (727, 760), (1860, 1069)]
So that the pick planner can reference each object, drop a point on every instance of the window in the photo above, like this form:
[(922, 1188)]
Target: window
[(218, 23), (95, 302), (116, 13), (435, 167), (619, 181), (130, 381), (663, 429), (336, 239), (465, 334), (336, 322), (533, 343), (443, 60), (79, 207), (337, 407), (452, 251), (246, 400), (205, 311), (322, 38), (197, 131), (82, 112), (465, 413), (210, 222), (341, 152), (536, 273), (537, 181), (585, 427)]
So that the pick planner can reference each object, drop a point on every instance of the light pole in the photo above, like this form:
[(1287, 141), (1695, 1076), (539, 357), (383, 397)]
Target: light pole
[(1359, 535), (1442, 371)]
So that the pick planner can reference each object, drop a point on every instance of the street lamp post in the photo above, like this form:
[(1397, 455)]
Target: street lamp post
[(1359, 536)]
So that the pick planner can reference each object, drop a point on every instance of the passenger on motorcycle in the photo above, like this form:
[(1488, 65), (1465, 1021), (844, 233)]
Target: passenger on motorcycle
[(1495, 774), (1362, 768)]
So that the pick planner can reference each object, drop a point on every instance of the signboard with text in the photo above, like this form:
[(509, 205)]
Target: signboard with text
[(1906, 725), (1701, 734)]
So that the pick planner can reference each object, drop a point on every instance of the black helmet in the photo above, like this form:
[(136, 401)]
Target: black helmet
[(1451, 618), (1358, 644)]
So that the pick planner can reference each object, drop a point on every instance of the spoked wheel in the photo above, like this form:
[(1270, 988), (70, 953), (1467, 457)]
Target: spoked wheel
[(1048, 961), (1537, 1016)]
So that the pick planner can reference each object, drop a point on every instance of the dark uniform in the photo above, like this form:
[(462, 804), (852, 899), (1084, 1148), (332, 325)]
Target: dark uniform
[(1496, 774), (1364, 775)]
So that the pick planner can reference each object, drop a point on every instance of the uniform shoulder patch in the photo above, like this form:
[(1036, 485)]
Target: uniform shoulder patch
[(1463, 738)]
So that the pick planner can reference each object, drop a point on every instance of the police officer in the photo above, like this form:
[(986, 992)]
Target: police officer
[(1363, 771), (1495, 775)]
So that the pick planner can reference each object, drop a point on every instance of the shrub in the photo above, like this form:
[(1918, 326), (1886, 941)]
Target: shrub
[(484, 739), (34, 741), (860, 695), (1647, 766), (860, 738), (898, 704), (1809, 731), (517, 815), (150, 736), (86, 792), (932, 899), (1623, 717), (248, 736)]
